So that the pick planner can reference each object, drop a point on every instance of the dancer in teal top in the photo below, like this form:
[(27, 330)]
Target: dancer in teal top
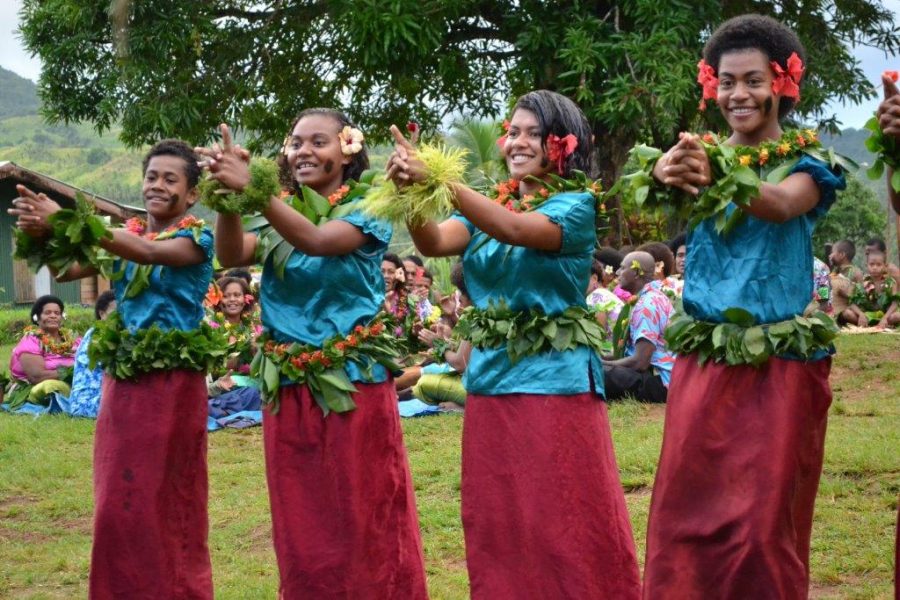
[(543, 511), (343, 511), (150, 478)]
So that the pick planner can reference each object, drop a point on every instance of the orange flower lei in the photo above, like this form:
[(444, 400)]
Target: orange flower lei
[(506, 195), (138, 226), (791, 143), (63, 347)]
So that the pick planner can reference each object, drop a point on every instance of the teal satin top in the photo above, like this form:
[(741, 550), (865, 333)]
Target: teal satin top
[(174, 299), (763, 267), (534, 279), (323, 296)]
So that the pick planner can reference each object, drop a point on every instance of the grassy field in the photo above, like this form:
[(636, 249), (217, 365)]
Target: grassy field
[(45, 492)]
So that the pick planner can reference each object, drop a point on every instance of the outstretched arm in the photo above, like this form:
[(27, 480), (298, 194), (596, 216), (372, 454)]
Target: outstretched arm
[(230, 166), (531, 230)]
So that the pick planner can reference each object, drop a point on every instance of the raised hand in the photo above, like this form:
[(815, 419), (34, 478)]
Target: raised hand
[(227, 163), (889, 110), (32, 211), (685, 165), (403, 167)]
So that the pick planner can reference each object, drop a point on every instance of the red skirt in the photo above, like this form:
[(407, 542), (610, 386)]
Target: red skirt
[(344, 517), (732, 505), (150, 489), (542, 507)]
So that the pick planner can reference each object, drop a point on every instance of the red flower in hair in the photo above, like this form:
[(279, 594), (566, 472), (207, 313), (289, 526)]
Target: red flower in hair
[(412, 127), (501, 141), (787, 83), (706, 77), (559, 149), (894, 75)]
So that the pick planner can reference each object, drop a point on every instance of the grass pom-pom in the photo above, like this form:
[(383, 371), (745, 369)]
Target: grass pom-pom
[(255, 197), (420, 202)]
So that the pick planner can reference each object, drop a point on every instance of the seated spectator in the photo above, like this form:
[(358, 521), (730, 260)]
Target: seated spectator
[(877, 244), (600, 299), (44, 354), (821, 294), (84, 401), (646, 369), (421, 283), (664, 270), (874, 300), (679, 248), (235, 313), (841, 259), (440, 383), (411, 264)]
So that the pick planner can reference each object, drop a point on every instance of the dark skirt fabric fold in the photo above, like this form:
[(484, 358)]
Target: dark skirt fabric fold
[(150, 489), (732, 506), (343, 509), (542, 506)]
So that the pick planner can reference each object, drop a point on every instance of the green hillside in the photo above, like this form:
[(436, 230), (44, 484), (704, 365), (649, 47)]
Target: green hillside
[(18, 96)]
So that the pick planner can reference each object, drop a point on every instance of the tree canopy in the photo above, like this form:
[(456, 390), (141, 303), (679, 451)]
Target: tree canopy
[(179, 67)]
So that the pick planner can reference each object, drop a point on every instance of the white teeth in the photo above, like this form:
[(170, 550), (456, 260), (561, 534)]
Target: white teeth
[(305, 165), (742, 111), (519, 158)]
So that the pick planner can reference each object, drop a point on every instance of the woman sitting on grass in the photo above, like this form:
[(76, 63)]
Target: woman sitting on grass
[(44, 354)]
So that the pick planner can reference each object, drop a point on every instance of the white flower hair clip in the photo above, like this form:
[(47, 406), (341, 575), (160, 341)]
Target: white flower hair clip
[(351, 140)]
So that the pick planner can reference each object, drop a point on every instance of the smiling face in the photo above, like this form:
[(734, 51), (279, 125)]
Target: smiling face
[(389, 272), (745, 97), (523, 148), (233, 300), (50, 318), (167, 193), (314, 155)]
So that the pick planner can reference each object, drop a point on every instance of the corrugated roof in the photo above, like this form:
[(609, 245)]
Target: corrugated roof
[(64, 193)]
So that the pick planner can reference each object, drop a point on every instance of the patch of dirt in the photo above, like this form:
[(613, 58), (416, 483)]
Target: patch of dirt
[(637, 491), (260, 538)]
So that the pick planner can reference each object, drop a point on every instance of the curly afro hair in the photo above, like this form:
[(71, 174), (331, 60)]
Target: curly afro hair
[(560, 116), (353, 170), (755, 32)]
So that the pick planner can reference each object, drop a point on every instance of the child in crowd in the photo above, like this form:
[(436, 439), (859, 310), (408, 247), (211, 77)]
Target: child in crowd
[(874, 299), (841, 259)]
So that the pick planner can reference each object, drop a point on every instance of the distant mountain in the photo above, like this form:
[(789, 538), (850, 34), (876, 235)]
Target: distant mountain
[(850, 142), (18, 96)]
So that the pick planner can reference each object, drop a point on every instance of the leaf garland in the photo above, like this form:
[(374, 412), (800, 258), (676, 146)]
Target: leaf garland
[(322, 369), (868, 298), (124, 354), (739, 341), (315, 207), (420, 202), (887, 151), (240, 337), (253, 199), (737, 173), (74, 238), (529, 332)]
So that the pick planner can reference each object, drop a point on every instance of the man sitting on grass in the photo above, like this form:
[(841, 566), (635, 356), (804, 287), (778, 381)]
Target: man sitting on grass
[(645, 370)]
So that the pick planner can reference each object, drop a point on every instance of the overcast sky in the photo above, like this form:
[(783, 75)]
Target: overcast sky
[(16, 59)]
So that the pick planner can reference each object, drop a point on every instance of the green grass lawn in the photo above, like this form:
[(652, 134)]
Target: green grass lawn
[(45, 492)]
